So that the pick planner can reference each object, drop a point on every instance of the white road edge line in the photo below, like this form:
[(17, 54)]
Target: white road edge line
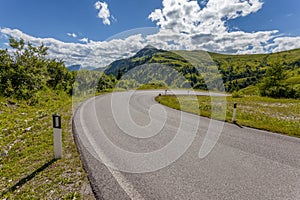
[(126, 185)]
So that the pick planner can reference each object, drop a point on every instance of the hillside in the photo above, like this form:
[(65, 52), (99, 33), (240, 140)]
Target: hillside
[(241, 71), (140, 58), (237, 71)]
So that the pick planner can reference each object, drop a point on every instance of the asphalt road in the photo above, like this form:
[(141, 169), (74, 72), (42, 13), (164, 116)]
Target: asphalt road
[(153, 153)]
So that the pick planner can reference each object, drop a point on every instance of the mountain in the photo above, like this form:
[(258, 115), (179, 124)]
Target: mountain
[(74, 67), (124, 65), (79, 67), (89, 68), (100, 69), (199, 68)]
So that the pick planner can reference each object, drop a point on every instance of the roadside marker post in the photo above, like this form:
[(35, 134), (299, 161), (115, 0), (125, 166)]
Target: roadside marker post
[(234, 113), (57, 136)]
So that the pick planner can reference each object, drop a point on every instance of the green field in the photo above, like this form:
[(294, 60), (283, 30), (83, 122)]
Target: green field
[(275, 115), (27, 168)]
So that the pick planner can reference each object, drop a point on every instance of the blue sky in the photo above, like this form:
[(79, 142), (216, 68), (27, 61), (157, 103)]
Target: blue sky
[(77, 29), (275, 14), (56, 18)]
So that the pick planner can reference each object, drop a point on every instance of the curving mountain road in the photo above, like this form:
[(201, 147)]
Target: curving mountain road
[(134, 148)]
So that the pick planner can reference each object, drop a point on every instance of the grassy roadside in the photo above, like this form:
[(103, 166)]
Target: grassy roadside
[(27, 168), (275, 115)]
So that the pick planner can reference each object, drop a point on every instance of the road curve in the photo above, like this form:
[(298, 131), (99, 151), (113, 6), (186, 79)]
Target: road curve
[(244, 164)]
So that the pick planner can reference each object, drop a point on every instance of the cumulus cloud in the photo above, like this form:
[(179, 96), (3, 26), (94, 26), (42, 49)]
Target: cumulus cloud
[(103, 12), (205, 28), (73, 35), (194, 26), (188, 17), (285, 43), (93, 53)]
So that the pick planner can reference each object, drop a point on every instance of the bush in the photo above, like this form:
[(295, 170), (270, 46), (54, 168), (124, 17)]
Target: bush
[(274, 86), (28, 70)]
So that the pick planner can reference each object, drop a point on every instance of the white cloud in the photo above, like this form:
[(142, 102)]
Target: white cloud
[(103, 12), (205, 28), (84, 40), (93, 53), (187, 25), (286, 43), (183, 24), (114, 19), (73, 35)]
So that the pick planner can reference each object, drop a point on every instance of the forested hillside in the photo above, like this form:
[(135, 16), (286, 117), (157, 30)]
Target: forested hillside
[(241, 71), (275, 75)]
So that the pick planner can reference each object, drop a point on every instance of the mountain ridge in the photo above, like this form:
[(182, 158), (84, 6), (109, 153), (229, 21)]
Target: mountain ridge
[(80, 67), (237, 71), (140, 58)]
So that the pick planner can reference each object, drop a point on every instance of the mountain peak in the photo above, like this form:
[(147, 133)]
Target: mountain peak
[(147, 51), (141, 57), (149, 47)]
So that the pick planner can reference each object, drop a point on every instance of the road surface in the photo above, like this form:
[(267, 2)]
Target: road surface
[(153, 153)]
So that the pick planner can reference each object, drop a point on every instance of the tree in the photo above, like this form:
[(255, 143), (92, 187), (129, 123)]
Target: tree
[(106, 82), (120, 74), (273, 85), (28, 70)]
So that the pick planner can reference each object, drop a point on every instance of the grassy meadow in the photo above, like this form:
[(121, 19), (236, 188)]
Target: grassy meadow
[(275, 115), (27, 168)]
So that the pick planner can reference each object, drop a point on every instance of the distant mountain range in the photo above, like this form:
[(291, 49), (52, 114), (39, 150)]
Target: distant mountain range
[(79, 67), (199, 67)]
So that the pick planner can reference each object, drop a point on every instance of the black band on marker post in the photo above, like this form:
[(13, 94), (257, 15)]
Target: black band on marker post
[(56, 121)]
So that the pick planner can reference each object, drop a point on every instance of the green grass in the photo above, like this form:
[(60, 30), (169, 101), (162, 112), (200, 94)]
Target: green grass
[(151, 87), (28, 171), (293, 80), (275, 115), (250, 90)]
